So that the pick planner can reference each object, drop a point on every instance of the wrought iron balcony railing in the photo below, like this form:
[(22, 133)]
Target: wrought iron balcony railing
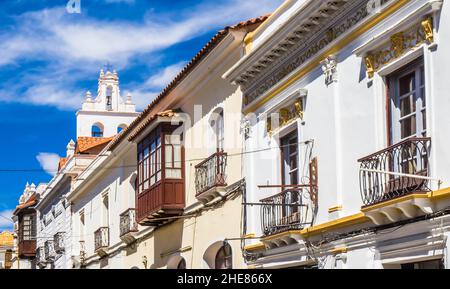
[(49, 250), (58, 241), (211, 173), (396, 171), (284, 211), (101, 238), (128, 222), (40, 256)]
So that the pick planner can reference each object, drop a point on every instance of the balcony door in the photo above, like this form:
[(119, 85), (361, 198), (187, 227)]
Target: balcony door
[(289, 172), (408, 105), (408, 120)]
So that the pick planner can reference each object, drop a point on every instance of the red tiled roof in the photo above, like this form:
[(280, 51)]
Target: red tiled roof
[(62, 162), (91, 145), (29, 203), (185, 71)]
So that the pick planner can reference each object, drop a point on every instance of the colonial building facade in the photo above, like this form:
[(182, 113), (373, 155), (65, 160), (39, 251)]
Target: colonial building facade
[(347, 109), (315, 137)]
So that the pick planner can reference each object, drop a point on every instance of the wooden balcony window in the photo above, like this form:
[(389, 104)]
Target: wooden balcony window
[(27, 234), (395, 171), (160, 191)]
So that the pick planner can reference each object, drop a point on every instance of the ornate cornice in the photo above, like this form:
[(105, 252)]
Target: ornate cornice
[(329, 22)]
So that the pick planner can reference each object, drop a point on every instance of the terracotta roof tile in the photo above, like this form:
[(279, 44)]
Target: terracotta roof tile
[(91, 145), (32, 200), (184, 72), (62, 163)]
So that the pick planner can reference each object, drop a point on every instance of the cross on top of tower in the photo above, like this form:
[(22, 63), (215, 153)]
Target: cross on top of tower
[(108, 66)]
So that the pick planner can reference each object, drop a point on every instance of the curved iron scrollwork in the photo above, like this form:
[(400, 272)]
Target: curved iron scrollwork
[(390, 173), (211, 172), (284, 211)]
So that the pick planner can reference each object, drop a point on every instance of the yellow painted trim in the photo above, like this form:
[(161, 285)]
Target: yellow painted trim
[(250, 235), (335, 224), (333, 50), (335, 209), (255, 247), (340, 250), (248, 41), (276, 236), (443, 193), (434, 195)]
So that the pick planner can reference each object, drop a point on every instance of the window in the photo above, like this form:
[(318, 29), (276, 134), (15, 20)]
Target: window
[(289, 152), (105, 210), (181, 264), (218, 127), (408, 104), (224, 257), (109, 90), (82, 225), (149, 163), (159, 154), (173, 156), (97, 130), (432, 264), (121, 127), (28, 228)]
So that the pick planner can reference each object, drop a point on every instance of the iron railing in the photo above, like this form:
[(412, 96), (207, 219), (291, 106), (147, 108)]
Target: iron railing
[(49, 250), (211, 173), (396, 171), (128, 222), (284, 211), (40, 256), (58, 240), (101, 237)]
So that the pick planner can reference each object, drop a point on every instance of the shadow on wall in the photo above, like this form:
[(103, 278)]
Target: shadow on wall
[(167, 239)]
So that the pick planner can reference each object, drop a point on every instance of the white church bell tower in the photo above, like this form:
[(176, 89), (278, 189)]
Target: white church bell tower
[(106, 114)]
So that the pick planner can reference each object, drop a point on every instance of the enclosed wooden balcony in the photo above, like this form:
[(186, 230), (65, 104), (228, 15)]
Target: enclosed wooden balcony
[(160, 185), (128, 226), (210, 177), (396, 171), (101, 241), (27, 248)]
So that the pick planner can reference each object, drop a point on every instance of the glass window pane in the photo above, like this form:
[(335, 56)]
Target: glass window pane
[(177, 157), (168, 155), (408, 126), (407, 105), (407, 83)]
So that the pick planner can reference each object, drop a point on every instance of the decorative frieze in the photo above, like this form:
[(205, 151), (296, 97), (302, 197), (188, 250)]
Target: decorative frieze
[(400, 43), (284, 116), (310, 38)]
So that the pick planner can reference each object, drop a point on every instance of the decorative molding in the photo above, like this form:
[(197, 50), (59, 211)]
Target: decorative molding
[(285, 116), (304, 43), (329, 68), (400, 43)]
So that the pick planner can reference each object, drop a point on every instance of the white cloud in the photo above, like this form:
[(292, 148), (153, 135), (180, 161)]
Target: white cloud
[(49, 162), (72, 48), (6, 223), (165, 76)]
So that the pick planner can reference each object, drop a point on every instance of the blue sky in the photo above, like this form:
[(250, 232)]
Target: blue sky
[(49, 58)]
